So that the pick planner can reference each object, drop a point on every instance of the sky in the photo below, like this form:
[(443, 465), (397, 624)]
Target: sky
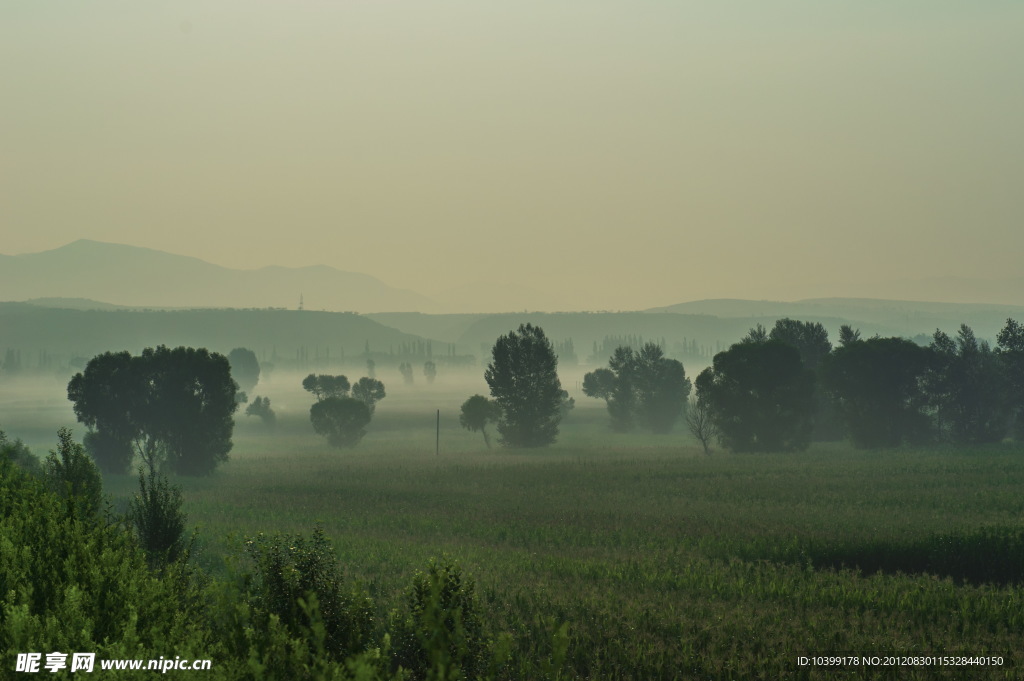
[(579, 155)]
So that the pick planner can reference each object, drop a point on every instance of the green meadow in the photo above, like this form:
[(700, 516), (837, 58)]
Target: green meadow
[(663, 563)]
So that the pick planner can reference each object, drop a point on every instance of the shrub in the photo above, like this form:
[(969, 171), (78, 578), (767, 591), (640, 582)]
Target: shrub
[(158, 519), (72, 476), (290, 573), (441, 634)]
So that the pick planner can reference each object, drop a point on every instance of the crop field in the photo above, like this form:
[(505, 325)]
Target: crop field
[(663, 562)]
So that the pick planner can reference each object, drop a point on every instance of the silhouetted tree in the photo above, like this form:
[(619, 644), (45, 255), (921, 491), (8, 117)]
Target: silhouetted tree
[(523, 377), (847, 335), (1010, 349), (643, 386), (342, 420), (371, 367), (810, 338), (876, 386), (172, 405), (72, 476), (967, 389), (430, 370), (323, 385), (369, 391), (245, 368), (761, 397), (701, 423), (757, 334), (406, 370), (260, 406), (477, 412)]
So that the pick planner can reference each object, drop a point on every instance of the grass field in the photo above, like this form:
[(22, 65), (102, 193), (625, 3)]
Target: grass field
[(664, 563)]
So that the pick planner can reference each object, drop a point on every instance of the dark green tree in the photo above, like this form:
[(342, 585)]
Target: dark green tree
[(523, 377), (155, 512), (761, 397), (369, 391), (876, 387), (810, 338), (245, 368), (1010, 349), (642, 387), (110, 397), (323, 385), (967, 389), (72, 476), (430, 370), (173, 406), (847, 335), (342, 420), (477, 412)]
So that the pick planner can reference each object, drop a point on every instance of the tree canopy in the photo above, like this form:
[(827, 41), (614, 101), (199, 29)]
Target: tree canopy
[(173, 406), (342, 420), (761, 397), (642, 387), (523, 378), (477, 412)]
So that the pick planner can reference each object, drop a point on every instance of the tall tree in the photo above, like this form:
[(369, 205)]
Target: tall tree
[(876, 387), (761, 397), (406, 370), (810, 338), (430, 370), (1010, 349), (642, 387), (523, 377), (170, 405), (967, 388)]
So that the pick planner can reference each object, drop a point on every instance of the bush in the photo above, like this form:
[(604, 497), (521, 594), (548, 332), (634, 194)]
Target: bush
[(290, 575), (72, 476), (441, 634), (17, 453), (158, 519)]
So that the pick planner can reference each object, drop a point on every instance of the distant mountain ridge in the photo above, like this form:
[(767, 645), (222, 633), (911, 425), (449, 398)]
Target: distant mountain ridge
[(133, 276)]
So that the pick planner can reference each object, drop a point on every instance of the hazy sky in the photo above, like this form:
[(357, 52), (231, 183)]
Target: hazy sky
[(606, 154)]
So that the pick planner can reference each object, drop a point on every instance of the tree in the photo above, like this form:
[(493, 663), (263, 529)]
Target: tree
[(810, 338), (158, 519), (876, 387), (19, 454), (324, 385), (172, 406), (260, 406), (477, 412), (700, 421), (523, 378), (967, 389), (757, 334), (342, 420), (430, 370), (642, 387), (761, 397), (1010, 350), (109, 398), (245, 368), (370, 391), (847, 335), (406, 370), (72, 476)]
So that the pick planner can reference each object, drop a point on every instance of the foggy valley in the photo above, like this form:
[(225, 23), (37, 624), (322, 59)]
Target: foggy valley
[(512, 341)]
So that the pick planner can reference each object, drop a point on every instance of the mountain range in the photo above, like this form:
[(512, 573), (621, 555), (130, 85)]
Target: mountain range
[(142, 277)]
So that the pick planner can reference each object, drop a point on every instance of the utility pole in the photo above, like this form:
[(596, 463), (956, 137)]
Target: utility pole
[(437, 441)]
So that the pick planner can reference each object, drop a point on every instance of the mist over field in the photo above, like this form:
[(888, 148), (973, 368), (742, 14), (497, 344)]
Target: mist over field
[(475, 341)]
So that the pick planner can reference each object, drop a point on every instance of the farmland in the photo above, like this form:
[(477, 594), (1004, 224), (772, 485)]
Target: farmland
[(663, 562)]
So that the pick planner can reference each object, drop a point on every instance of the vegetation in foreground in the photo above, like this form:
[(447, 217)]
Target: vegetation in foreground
[(661, 562)]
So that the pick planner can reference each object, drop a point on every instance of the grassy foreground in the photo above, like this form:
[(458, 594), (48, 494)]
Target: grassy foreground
[(665, 564)]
